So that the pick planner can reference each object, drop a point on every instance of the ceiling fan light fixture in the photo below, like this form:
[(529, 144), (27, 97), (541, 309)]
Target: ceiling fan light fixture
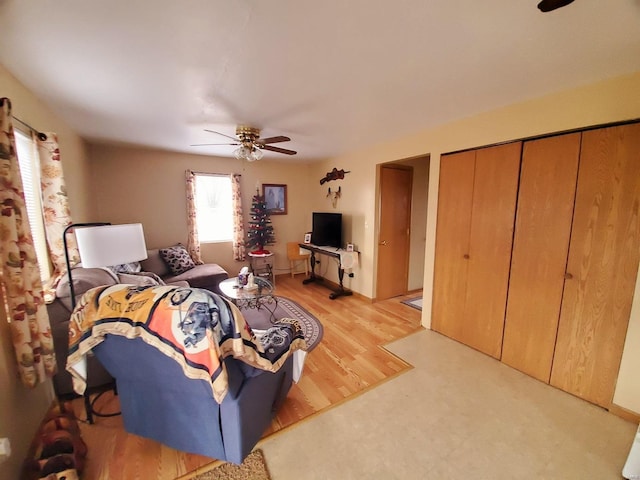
[(250, 154), (249, 144), (256, 154), (240, 153)]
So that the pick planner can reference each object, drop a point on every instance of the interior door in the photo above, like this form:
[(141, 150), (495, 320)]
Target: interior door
[(455, 198), (395, 224), (476, 211), (540, 247), (603, 265)]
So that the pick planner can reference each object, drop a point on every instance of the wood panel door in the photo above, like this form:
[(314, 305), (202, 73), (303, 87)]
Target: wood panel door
[(395, 230), (455, 200), (603, 265), (541, 244), (476, 210), (495, 188)]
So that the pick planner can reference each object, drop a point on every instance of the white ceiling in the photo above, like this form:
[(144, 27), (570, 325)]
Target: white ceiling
[(333, 75)]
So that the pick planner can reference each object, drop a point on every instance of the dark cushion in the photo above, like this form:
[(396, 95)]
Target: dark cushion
[(177, 259)]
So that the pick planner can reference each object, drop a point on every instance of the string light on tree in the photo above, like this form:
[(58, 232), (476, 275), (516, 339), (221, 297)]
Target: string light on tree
[(260, 228)]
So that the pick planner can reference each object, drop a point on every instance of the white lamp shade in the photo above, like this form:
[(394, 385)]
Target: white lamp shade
[(108, 245)]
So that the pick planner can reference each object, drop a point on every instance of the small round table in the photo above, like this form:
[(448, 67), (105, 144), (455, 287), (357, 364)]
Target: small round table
[(242, 297)]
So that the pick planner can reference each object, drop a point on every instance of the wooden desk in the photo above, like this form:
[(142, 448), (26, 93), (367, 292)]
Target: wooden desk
[(330, 252)]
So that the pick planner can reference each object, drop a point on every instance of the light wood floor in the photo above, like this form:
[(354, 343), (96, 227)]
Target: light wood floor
[(348, 361)]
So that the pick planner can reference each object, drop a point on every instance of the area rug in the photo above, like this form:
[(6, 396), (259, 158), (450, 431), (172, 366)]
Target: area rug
[(253, 468), (414, 302), (287, 308)]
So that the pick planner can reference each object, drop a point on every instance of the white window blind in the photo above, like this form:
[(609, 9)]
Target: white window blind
[(214, 208), (30, 173)]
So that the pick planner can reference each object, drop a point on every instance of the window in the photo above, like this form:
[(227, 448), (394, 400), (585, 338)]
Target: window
[(30, 173), (214, 210)]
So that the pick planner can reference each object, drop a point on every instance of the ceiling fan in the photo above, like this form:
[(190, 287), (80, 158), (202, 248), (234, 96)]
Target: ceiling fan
[(549, 5), (249, 143)]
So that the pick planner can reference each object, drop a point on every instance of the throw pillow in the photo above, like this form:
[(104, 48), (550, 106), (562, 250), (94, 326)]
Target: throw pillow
[(177, 259), (126, 268)]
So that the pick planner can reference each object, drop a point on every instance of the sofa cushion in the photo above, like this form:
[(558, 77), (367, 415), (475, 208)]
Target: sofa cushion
[(177, 259), (207, 276), (140, 280), (154, 263)]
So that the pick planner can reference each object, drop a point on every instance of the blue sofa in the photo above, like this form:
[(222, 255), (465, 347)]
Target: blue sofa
[(159, 402)]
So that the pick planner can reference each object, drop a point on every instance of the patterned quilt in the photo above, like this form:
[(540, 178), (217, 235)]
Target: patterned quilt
[(195, 327)]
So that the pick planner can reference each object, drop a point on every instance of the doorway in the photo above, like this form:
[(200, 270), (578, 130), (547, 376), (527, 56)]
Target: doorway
[(401, 232)]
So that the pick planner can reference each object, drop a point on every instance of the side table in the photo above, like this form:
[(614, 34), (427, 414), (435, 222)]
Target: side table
[(257, 298), (262, 266)]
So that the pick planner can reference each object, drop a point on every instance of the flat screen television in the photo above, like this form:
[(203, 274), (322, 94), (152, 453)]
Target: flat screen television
[(326, 230)]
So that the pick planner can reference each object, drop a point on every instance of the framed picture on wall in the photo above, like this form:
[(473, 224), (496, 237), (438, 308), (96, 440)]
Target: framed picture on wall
[(275, 196)]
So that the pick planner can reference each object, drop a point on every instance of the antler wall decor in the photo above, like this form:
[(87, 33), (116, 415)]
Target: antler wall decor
[(334, 174), (335, 195)]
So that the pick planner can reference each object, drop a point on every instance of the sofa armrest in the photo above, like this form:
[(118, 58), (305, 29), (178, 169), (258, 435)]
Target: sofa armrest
[(62, 383), (207, 276)]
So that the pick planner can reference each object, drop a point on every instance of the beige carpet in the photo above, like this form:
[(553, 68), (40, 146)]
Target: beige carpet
[(253, 468), (457, 415)]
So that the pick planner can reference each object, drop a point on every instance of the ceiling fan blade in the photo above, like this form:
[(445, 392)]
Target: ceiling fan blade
[(207, 144), (235, 139), (278, 139), (277, 149), (549, 5)]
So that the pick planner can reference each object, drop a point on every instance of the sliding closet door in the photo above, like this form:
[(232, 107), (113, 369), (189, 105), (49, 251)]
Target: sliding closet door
[(541, 244), (455, 198), (490, 242), (476, 209), (602, 266)]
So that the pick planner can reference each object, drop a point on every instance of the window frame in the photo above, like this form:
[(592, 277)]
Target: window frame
[(30, 161), (198, 178)]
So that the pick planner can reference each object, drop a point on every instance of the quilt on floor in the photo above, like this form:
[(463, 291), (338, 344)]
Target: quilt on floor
[(195, 327)]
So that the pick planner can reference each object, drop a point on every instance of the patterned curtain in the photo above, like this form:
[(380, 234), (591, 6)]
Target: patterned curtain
[(193, 243), (238, 219), (20, 276), (55, 209)]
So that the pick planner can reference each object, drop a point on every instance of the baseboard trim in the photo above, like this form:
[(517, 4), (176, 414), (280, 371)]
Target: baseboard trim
[(624, 413)]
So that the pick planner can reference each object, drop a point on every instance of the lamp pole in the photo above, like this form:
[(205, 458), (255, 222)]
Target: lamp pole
[(66, 254)]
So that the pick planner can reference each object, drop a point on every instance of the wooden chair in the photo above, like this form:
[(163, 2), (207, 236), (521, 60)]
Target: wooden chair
[(294, 255)]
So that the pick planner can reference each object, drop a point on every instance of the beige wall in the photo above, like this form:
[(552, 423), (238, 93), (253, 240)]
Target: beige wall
[(31, 110), (627, 392), (21, 410), (148, 186), (613, 100), (358, 191)]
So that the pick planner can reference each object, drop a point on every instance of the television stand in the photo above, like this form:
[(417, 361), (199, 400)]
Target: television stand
[(330, 252)]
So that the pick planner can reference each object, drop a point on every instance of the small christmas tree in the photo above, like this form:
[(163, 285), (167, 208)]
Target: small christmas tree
[(260, 228)]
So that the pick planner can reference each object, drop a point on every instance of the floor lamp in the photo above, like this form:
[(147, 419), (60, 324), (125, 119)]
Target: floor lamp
[(103, 245)]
